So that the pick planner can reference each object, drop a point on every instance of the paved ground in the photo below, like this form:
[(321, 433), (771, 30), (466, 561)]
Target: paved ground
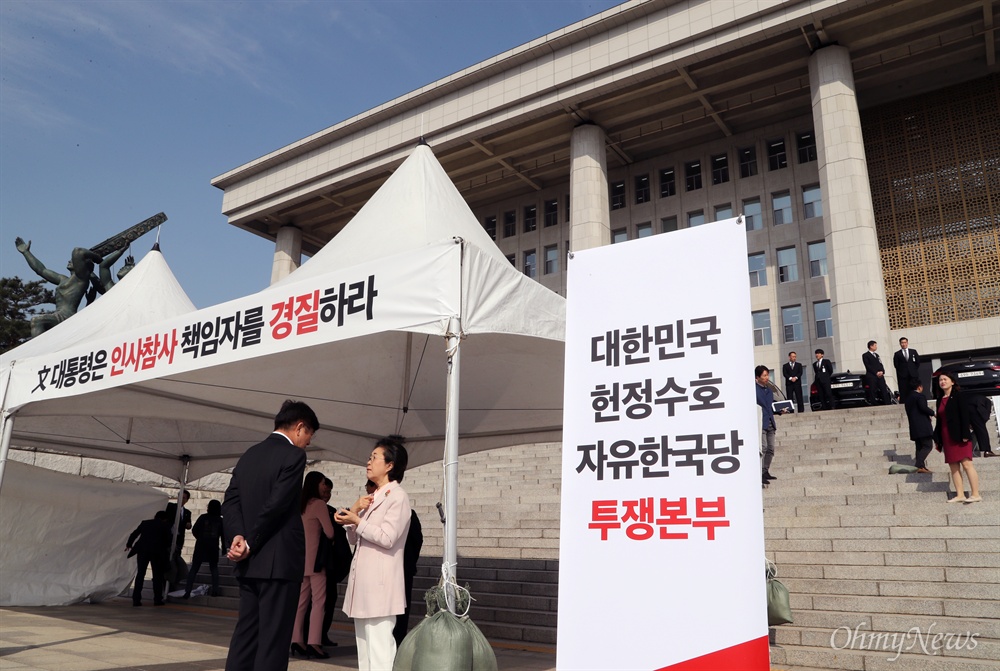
[(113, 635)]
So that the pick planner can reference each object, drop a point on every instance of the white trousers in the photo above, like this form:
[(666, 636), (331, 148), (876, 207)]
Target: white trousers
[(376, 646)]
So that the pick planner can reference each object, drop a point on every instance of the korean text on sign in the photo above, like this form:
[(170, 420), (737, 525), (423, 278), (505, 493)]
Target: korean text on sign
[(665, 518)]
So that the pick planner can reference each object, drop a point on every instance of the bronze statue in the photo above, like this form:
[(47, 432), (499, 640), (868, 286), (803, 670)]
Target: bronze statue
[(83, 281), (69, 290), (101, 284)]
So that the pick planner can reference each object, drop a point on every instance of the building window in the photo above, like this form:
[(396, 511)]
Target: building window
[(551, 213), (723, 212), (566, 217), (619, 235), (668, 185), (812, 202), (530, 264), (530, 218), (644, 230), (617, 195), (817, 259), (806, 143), (696, 218), (824, 319), (641, 189), (791, 323), (752, 214), (668, 224), (758, 270), (748, 161), (788, 268), (720, 169), (776, 157), (513, 259), (761, 328), (490, 224), (782, 207), (509, 224), (692, 175), (551, 259)]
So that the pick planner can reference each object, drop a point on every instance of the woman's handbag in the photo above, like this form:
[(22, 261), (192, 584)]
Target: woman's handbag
[(779, 610)]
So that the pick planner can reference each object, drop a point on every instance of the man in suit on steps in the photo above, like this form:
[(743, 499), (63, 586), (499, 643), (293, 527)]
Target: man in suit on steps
[(875, 372), (263, 525), (822, 372), (907, 364), (792, 372)]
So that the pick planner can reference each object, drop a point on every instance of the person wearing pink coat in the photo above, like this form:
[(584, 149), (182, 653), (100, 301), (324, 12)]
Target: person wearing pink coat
[(315, 521), (377, 525)]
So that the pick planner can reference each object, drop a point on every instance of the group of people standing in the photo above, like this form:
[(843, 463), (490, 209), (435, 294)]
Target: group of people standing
[(276, 525), (905, 361), (151, 541), (959, 416)]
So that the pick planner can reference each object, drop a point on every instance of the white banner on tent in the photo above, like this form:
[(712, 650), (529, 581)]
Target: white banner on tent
[(661, 560), (407, 291)]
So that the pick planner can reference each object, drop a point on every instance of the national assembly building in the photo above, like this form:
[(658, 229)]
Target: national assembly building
[(859, 139)]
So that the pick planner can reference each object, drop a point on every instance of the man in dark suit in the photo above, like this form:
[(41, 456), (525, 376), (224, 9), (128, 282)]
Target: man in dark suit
[(921, 431), (822, 372), (907, 364), (411, 553), (151, 548), (792, 372), (263, 524), (875, 372)]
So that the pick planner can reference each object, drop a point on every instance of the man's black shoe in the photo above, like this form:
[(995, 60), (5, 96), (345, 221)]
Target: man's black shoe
[(768, 476)]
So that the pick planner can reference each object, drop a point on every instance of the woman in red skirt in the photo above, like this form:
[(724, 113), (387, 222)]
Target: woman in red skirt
[(952, 435)]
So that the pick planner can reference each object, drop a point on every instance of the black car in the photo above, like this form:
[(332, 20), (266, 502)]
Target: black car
[(975, 377), (848, 389)]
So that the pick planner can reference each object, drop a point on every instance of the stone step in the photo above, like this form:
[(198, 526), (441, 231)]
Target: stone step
[(892, 588), (911, 649), (813, 657), (914, 639)]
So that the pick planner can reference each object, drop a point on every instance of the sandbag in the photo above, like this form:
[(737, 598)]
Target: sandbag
[(445, 642), (779, 608), (902, 468)]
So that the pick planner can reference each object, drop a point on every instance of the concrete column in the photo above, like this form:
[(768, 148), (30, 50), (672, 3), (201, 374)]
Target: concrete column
[(857, 292), (590, 213), (287, 252)]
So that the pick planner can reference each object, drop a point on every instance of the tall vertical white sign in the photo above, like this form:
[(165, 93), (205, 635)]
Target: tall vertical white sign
[(661, 560)]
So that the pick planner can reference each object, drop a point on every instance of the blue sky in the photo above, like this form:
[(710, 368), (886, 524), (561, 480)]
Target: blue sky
[(113, 111)]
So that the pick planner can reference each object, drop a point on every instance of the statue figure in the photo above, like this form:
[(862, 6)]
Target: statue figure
[(101, 285), (69, 290)]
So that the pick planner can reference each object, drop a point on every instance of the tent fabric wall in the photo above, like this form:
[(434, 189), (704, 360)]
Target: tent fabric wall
[(64, 536)]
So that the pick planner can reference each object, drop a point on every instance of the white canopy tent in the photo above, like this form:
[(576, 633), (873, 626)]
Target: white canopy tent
[(351, 332), (149, 294)]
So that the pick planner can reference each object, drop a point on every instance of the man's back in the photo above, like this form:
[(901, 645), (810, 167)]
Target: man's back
[(262, 504)]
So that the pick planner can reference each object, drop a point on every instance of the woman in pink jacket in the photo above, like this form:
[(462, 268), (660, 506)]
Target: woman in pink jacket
[(316, 521), (378, 525)]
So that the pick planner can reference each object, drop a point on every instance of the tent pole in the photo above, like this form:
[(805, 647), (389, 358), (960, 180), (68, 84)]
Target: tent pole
[(451, 451), (178, 514), (5, 435), (6, 423)]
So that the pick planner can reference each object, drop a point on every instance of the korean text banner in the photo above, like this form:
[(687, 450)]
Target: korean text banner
[(415, 292), (661, 560)]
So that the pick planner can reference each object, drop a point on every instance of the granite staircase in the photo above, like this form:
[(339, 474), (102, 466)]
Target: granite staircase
[(883, 572)]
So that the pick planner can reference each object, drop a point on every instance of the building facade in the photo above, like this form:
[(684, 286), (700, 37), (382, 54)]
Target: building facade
[(860, 140)]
